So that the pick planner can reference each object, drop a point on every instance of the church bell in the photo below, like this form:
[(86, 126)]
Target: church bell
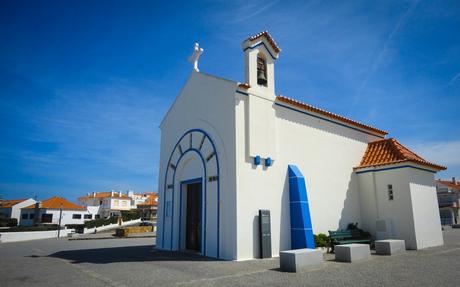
[(261, 78)]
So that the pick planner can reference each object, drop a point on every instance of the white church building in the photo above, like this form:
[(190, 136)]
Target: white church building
[(230, 149)]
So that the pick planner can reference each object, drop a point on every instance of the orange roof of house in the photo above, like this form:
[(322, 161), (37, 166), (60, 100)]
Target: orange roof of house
[(269, 39), (10, 203), (390, 151), (57, 202), (450, 184), (105, 195), (151, 200), (148, 193), (329, 115)]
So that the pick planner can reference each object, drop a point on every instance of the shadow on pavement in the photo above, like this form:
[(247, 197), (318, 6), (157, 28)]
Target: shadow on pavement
[(126, 254)]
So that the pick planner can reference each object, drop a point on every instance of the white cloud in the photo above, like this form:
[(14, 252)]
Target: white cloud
[(444, 152)]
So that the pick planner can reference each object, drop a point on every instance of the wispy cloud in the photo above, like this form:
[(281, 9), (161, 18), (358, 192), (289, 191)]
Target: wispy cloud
[(103, 135), (248, 10), (377, 61), (446, 153), (454, 78)]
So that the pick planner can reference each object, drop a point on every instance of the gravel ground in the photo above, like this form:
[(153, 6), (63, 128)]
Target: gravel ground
[(134, 262)]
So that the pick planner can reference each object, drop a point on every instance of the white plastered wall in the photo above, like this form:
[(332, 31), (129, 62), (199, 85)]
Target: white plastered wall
[(412, 215), (425, 208), (325, 153), (206, 103)]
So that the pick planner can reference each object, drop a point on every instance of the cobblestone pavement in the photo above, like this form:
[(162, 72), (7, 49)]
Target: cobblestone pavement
[(134, 262)]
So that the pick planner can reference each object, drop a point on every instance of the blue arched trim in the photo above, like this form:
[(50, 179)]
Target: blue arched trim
[(205, 183)]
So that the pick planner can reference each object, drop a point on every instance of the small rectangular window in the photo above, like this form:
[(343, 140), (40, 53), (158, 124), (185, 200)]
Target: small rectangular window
[(88, 216), (47, 218), (76, 216), (25, 215), (31, 216), (97, 216), (390, 192)]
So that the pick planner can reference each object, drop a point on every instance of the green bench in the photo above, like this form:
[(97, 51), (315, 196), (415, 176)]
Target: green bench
[(349, 236)]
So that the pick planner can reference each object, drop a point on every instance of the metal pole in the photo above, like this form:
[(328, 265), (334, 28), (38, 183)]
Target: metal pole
[(60, 218)]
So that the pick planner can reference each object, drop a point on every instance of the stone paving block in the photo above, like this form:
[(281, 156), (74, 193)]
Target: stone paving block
[(300, 259), (389, 246), (352, 252)]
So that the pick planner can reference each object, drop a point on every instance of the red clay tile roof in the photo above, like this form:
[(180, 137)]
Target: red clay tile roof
[(329, 115), (390, 151), (269, 39), (104, 195), (10, 203), (450, 184), (148, 193), (57, 202), (244, 86), (151, 200)]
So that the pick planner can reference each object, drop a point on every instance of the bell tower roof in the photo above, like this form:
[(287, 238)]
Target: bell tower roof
[(262, 38)]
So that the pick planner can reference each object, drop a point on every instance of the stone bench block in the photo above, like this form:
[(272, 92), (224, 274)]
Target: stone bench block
[(389, 246), (352, 252), (300, 259)]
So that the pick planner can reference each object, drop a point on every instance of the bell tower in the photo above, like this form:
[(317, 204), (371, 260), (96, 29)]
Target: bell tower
[(260, 54)]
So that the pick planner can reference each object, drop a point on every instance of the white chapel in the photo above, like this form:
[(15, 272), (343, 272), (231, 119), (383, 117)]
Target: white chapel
[(231, 149)]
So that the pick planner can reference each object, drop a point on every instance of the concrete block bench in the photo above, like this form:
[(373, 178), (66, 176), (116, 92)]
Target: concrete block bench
[(300, 259), (352, 252), (389, 246)]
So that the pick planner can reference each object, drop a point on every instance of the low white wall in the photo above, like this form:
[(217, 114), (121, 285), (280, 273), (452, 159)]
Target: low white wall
[(32, 235), (111, 226)]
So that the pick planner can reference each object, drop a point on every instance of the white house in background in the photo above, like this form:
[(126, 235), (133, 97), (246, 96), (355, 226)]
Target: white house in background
[(56, 209), (230, 149), (140, 198), (449, 201), (110, 203), (12, 208)]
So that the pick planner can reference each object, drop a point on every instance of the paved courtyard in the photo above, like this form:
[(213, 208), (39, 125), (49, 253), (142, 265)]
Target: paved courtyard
[(134, 262)]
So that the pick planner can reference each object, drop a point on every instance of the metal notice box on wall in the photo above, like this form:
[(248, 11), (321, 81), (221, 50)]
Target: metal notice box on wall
[(265, 234)]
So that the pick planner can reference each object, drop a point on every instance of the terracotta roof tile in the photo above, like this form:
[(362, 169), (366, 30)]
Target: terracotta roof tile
[(390, 151), (244, 86), (269, 39), (57, 202), (10, 203), (450, 184), (329, 115), (151, 200), (104, 195)]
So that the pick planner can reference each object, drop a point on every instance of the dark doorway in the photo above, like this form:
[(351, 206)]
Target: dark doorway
[(193, 222)]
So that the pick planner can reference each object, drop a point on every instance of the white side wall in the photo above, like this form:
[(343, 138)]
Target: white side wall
[(375, 205), (324, 152), (412, 215), (16, 209), (32, 235), (67, 216), (427, 221)]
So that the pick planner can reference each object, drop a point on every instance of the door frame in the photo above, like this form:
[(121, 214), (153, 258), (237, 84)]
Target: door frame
[(183, 188)]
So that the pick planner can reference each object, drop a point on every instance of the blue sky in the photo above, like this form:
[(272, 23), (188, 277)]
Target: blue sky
[(85, 84)]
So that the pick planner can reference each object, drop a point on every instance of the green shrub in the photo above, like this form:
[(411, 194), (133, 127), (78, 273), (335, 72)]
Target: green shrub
[(100, 222), (8, 222), (322, 240), (130, 215)]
